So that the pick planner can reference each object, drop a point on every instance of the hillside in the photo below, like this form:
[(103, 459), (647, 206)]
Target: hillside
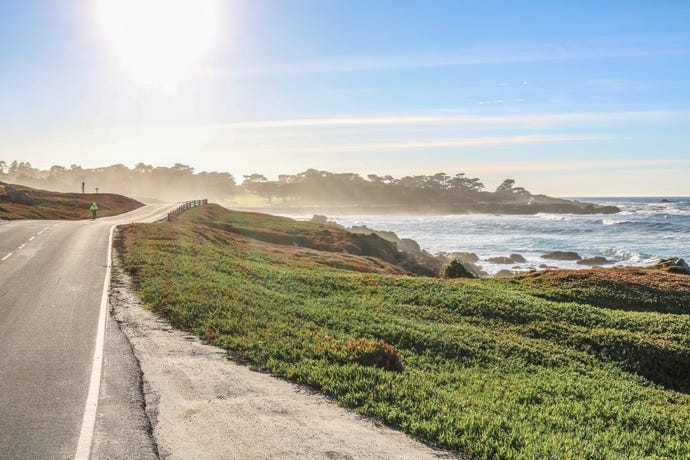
[(547, 365), (62, 206)]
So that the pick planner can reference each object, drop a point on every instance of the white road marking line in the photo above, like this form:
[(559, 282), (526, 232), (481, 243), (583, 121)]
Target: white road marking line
[(89, 421), (7, 257), (42, 231), (31, 239)]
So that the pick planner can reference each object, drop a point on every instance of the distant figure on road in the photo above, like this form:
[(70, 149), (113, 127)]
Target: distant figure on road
[(82, 187), (94, 208)]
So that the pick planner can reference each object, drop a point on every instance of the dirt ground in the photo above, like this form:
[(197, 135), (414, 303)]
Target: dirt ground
[(203, 405)]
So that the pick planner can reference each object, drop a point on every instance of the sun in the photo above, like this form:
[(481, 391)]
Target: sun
[(160, 41)]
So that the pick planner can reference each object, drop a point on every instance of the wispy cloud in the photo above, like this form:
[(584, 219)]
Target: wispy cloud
[(603, 48), (463, 142), (522, 119)]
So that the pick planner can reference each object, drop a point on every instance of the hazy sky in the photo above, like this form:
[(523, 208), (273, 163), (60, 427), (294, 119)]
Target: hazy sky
[(570, 98)]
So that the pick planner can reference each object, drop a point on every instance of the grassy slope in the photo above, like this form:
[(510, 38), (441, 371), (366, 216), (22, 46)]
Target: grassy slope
[(65, 206), (511, 368)]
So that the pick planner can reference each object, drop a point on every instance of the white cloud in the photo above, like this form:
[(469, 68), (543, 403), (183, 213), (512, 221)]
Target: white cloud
[(522, 119)]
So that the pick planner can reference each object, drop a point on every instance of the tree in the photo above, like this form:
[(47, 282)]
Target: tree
[(3, 167), (506, 186), (57, 171), (259, 184), (142, 168)]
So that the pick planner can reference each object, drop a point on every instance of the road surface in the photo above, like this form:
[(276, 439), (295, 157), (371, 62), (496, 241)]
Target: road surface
[(51, 285)]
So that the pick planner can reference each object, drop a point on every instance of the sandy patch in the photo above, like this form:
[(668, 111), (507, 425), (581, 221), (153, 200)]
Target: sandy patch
[(203, 405)]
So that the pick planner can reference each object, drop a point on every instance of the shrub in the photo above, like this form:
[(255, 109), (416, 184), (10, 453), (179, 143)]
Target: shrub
[(455, 269), (378, 354)]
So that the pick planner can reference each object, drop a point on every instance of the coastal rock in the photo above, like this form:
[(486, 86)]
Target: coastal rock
[(592, 261), (319, 219), (464, 256), (562, 255), (323, 220), (386, 235), (500, 260), (406, 244), (511, 259), (673, 265), (19, 196), (664, 200), (547, 267)]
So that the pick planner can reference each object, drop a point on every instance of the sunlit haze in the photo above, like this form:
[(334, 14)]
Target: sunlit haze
[(159, 41), (569, 98)]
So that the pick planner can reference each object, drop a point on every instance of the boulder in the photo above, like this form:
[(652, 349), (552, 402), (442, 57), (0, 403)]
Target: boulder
[(503, 273), (500, 260), (19, 196), (464, 256), (406, 244), (319, 219), (664, 200), (323, 220), (511, 259), (547, 267), (592, 261), (562, 255), (673, 265)]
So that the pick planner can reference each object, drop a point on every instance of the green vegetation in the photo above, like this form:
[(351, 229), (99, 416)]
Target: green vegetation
[(541, 366), (425, 194), (63, 206)]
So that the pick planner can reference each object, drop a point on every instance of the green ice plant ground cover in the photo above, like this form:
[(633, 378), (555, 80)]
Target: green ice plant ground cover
[(540, 366)]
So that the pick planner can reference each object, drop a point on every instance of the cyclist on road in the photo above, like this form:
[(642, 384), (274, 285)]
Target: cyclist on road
[(94, 208)]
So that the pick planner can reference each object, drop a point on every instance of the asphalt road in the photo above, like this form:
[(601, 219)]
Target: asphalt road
[(51, 283)]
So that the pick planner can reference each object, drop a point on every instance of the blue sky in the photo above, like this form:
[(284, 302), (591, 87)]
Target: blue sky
[(569, 98)]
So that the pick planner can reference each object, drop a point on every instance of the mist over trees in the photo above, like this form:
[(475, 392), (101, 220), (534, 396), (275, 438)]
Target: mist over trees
[(323, 187), (440, 192), (143, 181), (424, 194)]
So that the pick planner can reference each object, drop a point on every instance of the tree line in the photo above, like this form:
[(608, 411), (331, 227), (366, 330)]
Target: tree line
[(323, 187), (176, 183), (181, 182)]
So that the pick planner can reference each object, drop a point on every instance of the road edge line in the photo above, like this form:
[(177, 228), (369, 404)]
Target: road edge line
[(89, 421)]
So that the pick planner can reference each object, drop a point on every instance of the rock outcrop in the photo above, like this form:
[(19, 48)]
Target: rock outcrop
[(18, 196), (511, 259), (673, 265), (562, 255), (591, 261)]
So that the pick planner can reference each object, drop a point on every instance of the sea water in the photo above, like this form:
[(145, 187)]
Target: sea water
[(644, 231)]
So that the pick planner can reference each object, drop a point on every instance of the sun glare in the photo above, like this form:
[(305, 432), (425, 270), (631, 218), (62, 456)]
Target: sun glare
[(160, 41)]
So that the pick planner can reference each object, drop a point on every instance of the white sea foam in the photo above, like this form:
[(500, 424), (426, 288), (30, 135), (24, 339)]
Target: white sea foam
[(615, 222), (554, 217)]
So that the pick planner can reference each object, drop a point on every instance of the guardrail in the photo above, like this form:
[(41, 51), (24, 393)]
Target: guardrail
[(184, 206)]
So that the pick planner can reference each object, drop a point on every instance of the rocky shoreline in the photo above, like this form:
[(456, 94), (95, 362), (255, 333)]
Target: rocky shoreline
[(552, 206), (468, 264)]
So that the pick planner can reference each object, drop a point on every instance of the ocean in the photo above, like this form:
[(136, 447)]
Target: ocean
[(643, 232)]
